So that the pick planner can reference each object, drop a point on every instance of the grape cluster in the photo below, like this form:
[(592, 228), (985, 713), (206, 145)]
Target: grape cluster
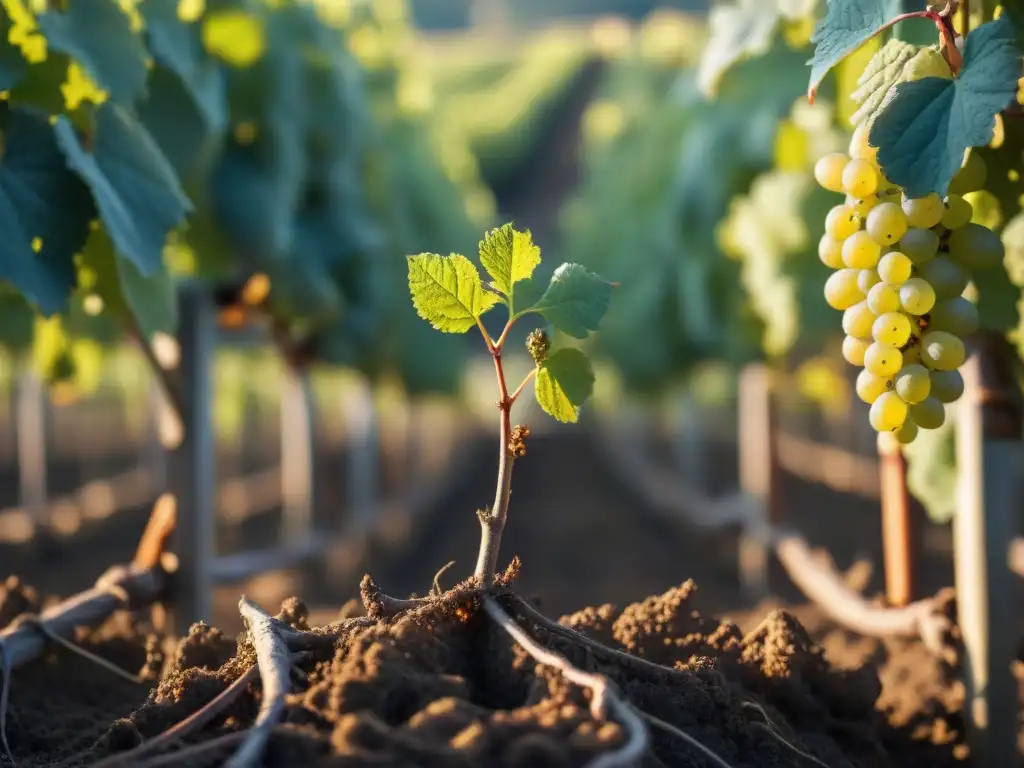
[(902, 266)]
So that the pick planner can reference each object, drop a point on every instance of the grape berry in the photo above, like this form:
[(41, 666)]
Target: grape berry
[(901, 266)]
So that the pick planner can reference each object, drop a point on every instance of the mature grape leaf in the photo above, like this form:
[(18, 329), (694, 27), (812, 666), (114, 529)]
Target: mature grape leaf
[(847, 24), (564, 382), (575, 300), (99, 35), (177, 47), (42, 204), (12, 64), (882, 72), (508, 256), (925, 129), (741, 29), (172, 117), (150, 300), (135, 188), (447, 291)]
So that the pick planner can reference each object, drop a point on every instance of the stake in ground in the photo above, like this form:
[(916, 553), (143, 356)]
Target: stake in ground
[(449, 293)]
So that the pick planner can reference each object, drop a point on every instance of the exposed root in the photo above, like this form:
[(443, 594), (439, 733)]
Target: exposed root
[(825, 588), (275, 663), (380, 605), (684, 736), (604, 696), (120, 587), (192, 723), (770, 726), (439, 574), (637, 664)]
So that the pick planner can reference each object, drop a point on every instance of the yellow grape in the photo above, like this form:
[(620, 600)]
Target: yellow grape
[(854, 349), (860, 149), (892, 328), (886, 223), (895, 268), (841, 290), (913, 383), (828, 171), (883, 360), (912, 354), (870, 387), (860, 251), (907, 432), (929, 413), (863, 206), (917, 297), (867, 278), (924, 212), (860, 178), (830, 251), (858, 321), (883, 298), (958, 212), (888, 412), (841, 222)]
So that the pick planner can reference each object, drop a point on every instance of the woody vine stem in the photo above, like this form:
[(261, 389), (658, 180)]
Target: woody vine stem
[(512, 446)]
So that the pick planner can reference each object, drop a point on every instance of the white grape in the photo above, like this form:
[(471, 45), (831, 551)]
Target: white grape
[(924, 212), (841, 290), (870, 387), (928, 414), (913, 383), (888, 412), (828, 171), (886, 223), (917, 297)]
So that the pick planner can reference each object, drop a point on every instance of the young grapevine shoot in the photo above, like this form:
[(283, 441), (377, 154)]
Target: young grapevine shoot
[(903, 244), (448, 292)]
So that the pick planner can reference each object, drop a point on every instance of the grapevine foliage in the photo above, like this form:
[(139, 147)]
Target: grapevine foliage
[(449, 293), (148, 140)]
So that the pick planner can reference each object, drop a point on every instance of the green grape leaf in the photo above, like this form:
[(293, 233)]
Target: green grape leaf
[(508, 256), (125, 291), (846, 26), (136, 190), (43, 204), (447, 291), (12, 64), (575, 301), (178, 47), (883, 72), (739, 30), (564, 382), (925, 129), (99, 35)]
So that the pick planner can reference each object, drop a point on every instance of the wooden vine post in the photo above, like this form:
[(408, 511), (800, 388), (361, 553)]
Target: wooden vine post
[(298, 432), (31, 407), (897, 529), (759, 477), (192, 461), (988, 454)]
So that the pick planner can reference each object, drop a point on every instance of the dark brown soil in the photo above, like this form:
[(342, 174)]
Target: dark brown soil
[(444, 686)]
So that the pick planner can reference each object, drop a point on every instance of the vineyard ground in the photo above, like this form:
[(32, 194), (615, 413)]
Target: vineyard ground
[(583, 540)]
